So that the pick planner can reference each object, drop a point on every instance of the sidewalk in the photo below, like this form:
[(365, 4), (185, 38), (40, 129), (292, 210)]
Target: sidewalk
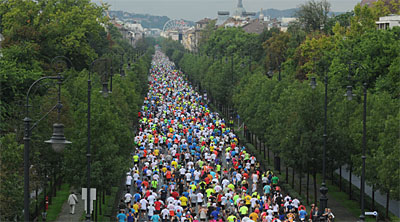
[(65, 212), (394, 205)]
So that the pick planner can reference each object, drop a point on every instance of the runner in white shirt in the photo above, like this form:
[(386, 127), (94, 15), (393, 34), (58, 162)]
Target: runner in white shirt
[(143, 206)]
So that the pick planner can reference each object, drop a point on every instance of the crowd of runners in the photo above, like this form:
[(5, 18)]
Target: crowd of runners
[(188, 164)]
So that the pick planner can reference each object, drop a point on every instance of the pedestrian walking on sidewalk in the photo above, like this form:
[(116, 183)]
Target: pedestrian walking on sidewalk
[(72, 201)]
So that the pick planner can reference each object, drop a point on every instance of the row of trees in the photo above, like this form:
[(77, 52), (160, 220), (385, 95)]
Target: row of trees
[(241, 70), (35, 32)]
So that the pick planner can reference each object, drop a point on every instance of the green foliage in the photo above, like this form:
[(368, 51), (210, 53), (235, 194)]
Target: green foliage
[(313, 15), (35, 32), (288, 115), (11, 177)]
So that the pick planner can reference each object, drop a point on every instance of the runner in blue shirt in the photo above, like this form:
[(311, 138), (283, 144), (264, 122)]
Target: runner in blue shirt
[(121, 216)]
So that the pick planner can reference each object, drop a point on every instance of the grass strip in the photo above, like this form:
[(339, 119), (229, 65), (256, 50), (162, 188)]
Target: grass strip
[(55, 207)]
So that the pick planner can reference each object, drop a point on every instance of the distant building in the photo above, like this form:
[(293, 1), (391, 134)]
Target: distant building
[(239, 11), (388, 22), (130, 31), (200, 25), (285, 22), (194, 36), (222, 17), (189, 39), (256, 26), (154, 32)]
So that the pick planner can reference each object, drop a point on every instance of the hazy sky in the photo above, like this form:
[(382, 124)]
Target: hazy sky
[(197, 9)]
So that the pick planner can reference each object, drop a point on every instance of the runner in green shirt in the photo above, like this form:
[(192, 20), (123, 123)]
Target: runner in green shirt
[(275, 180), (243, 210), (136, 158), (210, 191), (232, 218)]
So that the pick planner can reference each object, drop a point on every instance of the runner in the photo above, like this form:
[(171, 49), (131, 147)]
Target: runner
[(188, 162)]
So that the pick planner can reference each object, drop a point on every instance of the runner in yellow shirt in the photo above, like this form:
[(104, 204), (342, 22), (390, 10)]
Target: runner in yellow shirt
[(184, 201)]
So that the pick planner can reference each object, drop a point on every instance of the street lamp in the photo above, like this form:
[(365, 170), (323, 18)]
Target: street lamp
[(57, 141), (350, 95), (323, 189), (105, 93)]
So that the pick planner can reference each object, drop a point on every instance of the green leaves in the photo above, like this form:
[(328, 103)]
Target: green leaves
[(11, 176), (288, 115)]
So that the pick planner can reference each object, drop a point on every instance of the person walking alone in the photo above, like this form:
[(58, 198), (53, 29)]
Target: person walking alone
[(72, 201)]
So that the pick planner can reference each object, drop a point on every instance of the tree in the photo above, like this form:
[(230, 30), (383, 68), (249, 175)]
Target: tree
[(275, 49), (313, 15), (11, 176)]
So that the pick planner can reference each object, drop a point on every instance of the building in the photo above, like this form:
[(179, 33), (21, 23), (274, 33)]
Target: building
[(388, 22), (154, 32), (189, 39), (133, 32), (194, 36), (239, 11), (256, 26), (284, 23), (222, 17)]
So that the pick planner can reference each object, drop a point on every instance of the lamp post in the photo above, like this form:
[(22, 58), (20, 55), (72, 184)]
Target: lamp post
[(349, 94), (88, 153), (57, 140), (323, 189)]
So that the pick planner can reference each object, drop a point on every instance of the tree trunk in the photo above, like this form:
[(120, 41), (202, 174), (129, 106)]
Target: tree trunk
[(100, 194), (104, 196), (251, 137), (332, 177), (36, 202), (300, 182), (59, 182), (315, 186), (268, 155), (387, 204), (307, 187), (287, 175), (55, 185), (340, 178), (44, 197), (350, 184), (257, 143), (293, 178), (51, 191), (264, 151)]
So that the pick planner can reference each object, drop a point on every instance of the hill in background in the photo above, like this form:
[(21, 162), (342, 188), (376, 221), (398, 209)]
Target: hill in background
[(154, 21), (276, 13), (146, 20)]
